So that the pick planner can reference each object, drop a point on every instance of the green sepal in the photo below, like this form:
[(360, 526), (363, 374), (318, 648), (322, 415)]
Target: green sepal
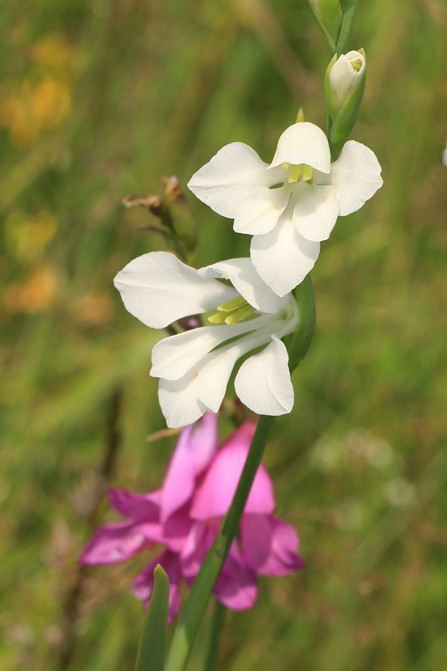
[(152, 651), (329, 16)]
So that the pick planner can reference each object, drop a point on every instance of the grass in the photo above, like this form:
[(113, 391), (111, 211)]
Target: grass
[(100, 100)]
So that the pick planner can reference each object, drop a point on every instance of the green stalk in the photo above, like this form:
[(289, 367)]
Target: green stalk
[(213, 642), (304, 296)]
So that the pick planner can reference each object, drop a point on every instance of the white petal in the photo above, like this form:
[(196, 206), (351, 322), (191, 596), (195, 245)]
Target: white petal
[(158, 289), (260, 210), (283, 257), (303, 143), (229, 177), (355, 175), (203, 388), (245, 279), (263, 382), (179, 401), (316, 211), (214, 375), (173, 357)]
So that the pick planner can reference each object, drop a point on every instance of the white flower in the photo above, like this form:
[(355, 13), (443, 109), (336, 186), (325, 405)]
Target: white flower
[(346, 74), (292, 204), (194, 366)]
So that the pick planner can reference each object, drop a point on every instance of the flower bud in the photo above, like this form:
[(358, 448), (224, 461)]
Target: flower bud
[(346, 75), (344, 86)]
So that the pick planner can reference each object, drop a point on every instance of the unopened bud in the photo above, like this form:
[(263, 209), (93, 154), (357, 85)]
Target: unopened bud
[(346, 74), (344, 86)]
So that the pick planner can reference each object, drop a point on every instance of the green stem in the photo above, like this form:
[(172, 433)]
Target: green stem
[(213, 643), (304, 296), (349, 9)]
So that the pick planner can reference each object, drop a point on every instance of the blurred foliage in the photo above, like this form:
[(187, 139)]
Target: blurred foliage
[(102, 99)]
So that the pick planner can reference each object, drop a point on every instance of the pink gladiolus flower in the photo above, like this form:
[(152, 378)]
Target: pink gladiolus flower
[(185, 514)]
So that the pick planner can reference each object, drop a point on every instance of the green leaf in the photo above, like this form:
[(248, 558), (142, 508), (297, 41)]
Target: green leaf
[(151, 655)]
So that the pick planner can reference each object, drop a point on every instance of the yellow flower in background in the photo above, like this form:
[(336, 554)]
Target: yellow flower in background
[(53, 52), (42, 99), (26, 236), (50, 102), (33, 108), (33, 295)]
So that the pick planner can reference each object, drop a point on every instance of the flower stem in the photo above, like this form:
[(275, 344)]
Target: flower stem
[(304, 296), (213, 642)]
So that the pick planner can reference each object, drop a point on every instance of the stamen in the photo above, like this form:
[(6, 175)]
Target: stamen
[(232, 312), (232, 304), (299, 172)]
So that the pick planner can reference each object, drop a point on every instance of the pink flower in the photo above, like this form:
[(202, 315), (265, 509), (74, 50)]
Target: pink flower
[(184, 516)]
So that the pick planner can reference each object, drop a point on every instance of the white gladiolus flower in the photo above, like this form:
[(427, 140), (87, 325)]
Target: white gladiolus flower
[(291, 205), (194, 366)]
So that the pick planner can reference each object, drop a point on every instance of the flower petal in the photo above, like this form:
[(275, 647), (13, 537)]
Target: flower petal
[(194, 450), (214, 495), (305, 143), (175, 356), (158, 289), (237, 585), (263, 381), (243, 276), (283, 257), (213, 376), (315, 212), (136, 506), (355, 175), (270, 545), (193, 553), (184, 400), (260, 210), (179, 402), (229, 177), (114, 543)]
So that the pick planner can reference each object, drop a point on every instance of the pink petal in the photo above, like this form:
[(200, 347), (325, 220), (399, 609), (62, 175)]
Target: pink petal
[(213, 497), (176, 529), (195, 549), (136, 506), (194, 450), (144, 582), (237, 585), (114, 543), (270, 545)]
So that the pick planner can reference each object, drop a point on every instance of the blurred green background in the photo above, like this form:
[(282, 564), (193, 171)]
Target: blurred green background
[(101, 99)]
